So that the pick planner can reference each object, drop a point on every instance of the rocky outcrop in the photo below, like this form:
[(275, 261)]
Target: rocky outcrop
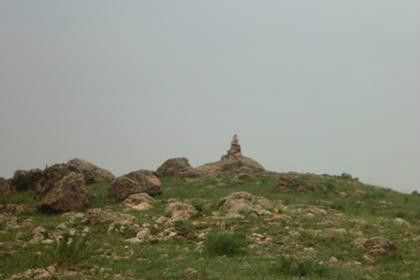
[(141, 181), (5, 187), (91, 172), (291, 182), (180, 210), (233, 162), (376, 246), (139, 201), (241, 165), (25, 179), (177, 167), (239, 204), (64, 193), (49, 178)]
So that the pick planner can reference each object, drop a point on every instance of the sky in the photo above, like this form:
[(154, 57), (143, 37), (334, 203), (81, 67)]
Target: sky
[(310, 86)]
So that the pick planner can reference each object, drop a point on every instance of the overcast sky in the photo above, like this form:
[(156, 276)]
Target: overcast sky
[(313, 86)]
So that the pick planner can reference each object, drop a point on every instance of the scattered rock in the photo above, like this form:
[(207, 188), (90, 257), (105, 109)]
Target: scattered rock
[(36, 273), (25, 179), (401, 222), (332, 261), (101, 216), (11, 208), (238, 204), (139, 201), (177, 167), (142, 181), (39, 234), (68, 193), (91, 172), (180, 210)]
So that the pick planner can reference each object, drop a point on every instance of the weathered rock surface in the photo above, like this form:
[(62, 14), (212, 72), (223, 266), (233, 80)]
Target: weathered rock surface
[(67, 193), (142, 181), (5, 187), (377, 246), (101, 216), (290, 182), (177, 167), (238, 204), (25, 179), (139, 201), (180, 210), (241, 165), (50, 176), (91, 172)]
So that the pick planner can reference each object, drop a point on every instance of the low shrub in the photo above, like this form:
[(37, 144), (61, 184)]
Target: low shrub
[(221, 243)]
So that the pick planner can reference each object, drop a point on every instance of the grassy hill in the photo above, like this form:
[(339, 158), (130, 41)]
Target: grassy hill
[(303, 235)]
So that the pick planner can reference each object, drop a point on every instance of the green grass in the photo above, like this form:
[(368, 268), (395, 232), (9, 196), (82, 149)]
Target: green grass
[(219, 243), (206, 247)]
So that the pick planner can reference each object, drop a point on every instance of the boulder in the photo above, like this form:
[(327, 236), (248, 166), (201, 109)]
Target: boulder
[(148, 180), (5, 187), (376, 246), (180, 210), (238, 204), (142, 181), (177, 167), (64, 193), (91, 172), (379, 246), (51, 175), (25, 179)]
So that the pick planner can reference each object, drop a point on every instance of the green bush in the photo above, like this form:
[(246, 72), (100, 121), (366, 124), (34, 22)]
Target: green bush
[(220, 243)]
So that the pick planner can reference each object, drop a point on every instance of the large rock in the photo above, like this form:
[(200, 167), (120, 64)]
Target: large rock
[(5, 187), (68, 193), (238, 204), (379, 246), (51, 175), (180, 210), (91, 172), (141, 181), (177, 167), (25, 179)]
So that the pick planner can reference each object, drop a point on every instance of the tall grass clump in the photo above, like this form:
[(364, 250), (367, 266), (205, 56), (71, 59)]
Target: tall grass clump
[(222, 243), (71, 250)]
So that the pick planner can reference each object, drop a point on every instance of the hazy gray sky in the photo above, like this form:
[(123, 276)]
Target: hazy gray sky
[(315, 86)]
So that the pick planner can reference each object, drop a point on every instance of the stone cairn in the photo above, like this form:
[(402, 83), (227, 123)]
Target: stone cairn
[(235, 149)]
